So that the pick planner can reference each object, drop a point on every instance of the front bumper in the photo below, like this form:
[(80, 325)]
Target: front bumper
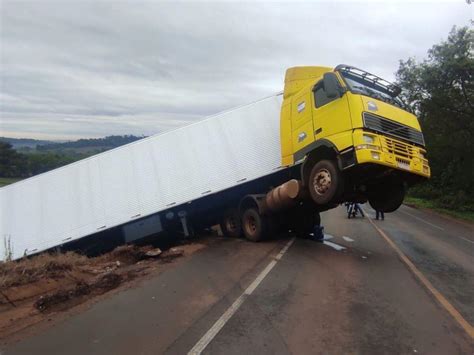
[(393, 153)]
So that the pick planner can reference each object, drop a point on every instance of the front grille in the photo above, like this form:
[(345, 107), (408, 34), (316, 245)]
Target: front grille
[(391, 128), (402, 161), (399, 148)]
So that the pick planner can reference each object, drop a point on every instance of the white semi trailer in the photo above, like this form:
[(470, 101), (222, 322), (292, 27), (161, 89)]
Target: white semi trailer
[(184, 179)]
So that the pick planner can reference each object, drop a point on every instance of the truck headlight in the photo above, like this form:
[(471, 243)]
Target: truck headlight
[(367, 146), (368, 139)]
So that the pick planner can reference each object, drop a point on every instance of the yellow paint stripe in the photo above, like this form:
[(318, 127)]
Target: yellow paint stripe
[(439, 297)]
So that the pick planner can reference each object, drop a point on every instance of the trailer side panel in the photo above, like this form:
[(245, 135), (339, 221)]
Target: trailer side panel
[(141, 178)]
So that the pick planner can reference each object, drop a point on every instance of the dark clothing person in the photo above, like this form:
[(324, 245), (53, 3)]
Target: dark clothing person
[(379, 213), (318, 233), (358, 209), (353, 209), (348, 205)]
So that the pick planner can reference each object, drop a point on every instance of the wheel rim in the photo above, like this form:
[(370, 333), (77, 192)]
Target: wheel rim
[(250, 225), (322, 181)]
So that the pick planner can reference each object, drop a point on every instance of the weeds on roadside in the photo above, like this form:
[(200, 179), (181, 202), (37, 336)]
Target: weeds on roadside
[(8, 248), (47, 265)]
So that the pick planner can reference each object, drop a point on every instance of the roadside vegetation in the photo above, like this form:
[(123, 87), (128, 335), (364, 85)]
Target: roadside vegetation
[(29, 270), (440, 91), (8, 181), (417, 202)]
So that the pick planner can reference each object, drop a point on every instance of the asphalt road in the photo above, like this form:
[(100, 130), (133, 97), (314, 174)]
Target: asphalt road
[(288, 296)]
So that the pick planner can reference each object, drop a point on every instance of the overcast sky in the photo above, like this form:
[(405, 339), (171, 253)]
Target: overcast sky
[(72, 69)]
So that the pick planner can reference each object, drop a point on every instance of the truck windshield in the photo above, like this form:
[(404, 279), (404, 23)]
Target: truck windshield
[(361, 82)]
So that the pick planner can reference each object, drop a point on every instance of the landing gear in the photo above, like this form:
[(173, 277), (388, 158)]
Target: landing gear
[(325, 182)]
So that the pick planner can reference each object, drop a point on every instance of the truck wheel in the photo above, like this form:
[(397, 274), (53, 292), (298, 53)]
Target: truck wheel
[(325, 182), (253, 225), (230, 224), (387, 198)]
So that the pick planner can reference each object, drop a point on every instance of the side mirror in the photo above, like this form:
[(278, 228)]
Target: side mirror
[(331, 85)]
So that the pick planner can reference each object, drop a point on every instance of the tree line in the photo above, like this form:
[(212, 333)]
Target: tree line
[(109, 142), (440, 91), (18, 165)]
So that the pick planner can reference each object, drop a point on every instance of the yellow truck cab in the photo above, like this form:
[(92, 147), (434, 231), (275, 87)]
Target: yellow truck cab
[(351, 135)]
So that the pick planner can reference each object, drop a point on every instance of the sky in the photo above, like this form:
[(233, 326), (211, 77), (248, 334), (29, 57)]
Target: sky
[(76, 69)]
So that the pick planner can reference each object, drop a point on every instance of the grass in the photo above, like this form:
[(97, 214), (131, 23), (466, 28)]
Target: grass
[(47, 265), (8, 181), (423, 203), (57, 264)]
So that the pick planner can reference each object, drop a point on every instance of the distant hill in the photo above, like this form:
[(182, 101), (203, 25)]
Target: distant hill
[(18, 143), (87, 146)]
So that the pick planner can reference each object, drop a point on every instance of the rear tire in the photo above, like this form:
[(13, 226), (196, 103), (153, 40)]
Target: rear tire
[(387, 197), (325, 182), (254, 225), (231, 225)]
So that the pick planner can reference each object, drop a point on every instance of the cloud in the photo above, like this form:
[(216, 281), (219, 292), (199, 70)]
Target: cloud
[(88, 69)]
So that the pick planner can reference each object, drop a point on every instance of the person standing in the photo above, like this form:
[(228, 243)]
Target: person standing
[(357, 208), (352, 210), (379, 213)]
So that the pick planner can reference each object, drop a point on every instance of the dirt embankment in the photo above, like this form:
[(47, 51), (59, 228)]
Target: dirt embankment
[(34, 289)]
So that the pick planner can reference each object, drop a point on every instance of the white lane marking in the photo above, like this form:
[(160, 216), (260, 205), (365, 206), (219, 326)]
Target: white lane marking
[(468, 328), (219, 324), (467, 240), (334, 245), (347, 239), (421, 219), (457, 236)]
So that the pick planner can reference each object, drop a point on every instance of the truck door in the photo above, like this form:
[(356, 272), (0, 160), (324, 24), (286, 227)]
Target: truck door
[(302, 121), (331, 115)]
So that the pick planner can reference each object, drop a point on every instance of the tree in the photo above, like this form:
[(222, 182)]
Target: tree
[(440, 90), (12, 164), (39, 163)]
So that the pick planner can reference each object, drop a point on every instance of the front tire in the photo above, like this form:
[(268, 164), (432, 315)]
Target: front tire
[(325, 182), (387, 198)]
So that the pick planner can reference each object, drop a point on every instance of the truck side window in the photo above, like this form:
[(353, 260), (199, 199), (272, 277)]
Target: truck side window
[(320, 97)]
